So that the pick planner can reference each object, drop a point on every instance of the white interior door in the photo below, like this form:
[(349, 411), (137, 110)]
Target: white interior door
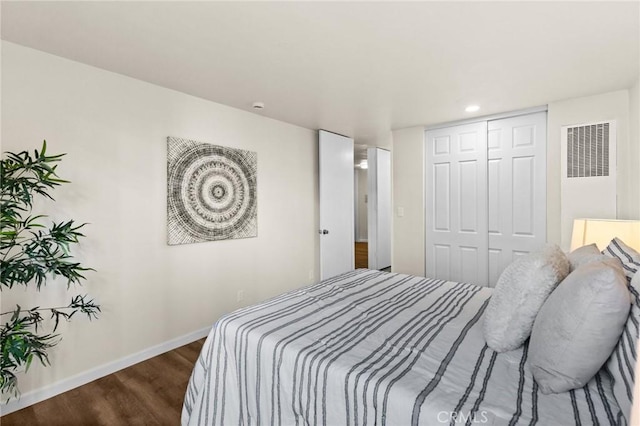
[(379, 208), (456, 203), (336, 176), (517, 188)]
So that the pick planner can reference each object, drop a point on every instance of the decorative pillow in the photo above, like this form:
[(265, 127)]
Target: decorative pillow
[(578, 327), (584, 254), (520, 292), (629, 257), (622, 362)]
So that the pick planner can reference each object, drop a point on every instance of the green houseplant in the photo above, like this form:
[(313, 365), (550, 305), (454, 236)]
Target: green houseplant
[(32, 251)]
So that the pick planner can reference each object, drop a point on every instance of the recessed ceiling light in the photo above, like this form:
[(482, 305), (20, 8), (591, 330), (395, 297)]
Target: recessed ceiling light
[(472, 108), (258, 105)]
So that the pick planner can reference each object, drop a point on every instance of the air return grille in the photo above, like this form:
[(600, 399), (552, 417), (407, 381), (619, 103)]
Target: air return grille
[(588, 150)]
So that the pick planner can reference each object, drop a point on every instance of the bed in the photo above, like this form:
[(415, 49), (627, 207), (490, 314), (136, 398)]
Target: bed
[(369, 347)]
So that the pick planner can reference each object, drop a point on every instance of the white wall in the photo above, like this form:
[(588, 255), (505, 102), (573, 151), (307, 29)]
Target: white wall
[(606, 106), (408, 195), (408, 181), (114, 129)]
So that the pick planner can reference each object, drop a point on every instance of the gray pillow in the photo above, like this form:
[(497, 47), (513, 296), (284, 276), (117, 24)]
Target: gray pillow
[(520, 292), (585, 254), (578, 326)]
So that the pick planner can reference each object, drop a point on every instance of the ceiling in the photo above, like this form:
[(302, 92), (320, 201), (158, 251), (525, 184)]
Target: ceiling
[(355, 68)]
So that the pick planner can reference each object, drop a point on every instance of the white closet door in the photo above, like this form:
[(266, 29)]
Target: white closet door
[(517, 189), (456, 203), (379, 208)]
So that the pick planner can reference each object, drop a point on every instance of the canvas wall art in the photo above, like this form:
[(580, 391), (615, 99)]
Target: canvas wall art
[(212, 192)]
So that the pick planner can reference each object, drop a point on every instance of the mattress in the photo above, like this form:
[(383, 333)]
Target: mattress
[(370, 347)]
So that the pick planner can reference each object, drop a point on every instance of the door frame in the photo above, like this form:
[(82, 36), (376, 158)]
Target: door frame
[(491, 117)]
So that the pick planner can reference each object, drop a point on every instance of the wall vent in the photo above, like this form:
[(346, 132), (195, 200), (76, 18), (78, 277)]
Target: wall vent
[(588, 173), (588, 150)]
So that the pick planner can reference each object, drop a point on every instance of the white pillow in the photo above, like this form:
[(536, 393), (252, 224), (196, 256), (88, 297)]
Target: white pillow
[(520, 292), (578, 327)]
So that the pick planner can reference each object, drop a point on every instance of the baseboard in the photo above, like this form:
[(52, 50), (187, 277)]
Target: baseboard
[(38, 395), (361, 240)]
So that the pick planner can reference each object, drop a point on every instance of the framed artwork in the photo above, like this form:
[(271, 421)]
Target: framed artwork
[(211, 192)]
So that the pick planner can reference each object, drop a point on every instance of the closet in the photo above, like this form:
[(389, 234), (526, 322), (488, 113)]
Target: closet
[(485, 195)]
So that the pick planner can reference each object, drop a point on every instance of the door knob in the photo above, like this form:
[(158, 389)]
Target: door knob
[(323, 231)]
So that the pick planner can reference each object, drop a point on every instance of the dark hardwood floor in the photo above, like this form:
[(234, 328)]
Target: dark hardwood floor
[(148, 393), (362, 255)]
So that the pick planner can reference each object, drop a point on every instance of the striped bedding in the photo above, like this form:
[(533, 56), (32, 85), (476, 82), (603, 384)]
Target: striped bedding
[(369, 347)]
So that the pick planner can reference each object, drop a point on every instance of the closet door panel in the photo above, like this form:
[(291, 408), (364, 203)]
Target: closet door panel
[(468, 192), (517, 188), (456, 203), (496, 221), (442, 264), (495, 263), (494, 140), (470, 258), (442, 193), (523, 191)]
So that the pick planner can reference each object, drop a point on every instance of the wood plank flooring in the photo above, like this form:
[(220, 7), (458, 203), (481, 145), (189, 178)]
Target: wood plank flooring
[(148, 393), (362, 255)]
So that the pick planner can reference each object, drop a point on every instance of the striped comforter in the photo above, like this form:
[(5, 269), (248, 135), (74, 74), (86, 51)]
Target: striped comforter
[(369, 347)]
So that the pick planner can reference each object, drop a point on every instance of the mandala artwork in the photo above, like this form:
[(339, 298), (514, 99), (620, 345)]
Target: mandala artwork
[(212, 192)]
